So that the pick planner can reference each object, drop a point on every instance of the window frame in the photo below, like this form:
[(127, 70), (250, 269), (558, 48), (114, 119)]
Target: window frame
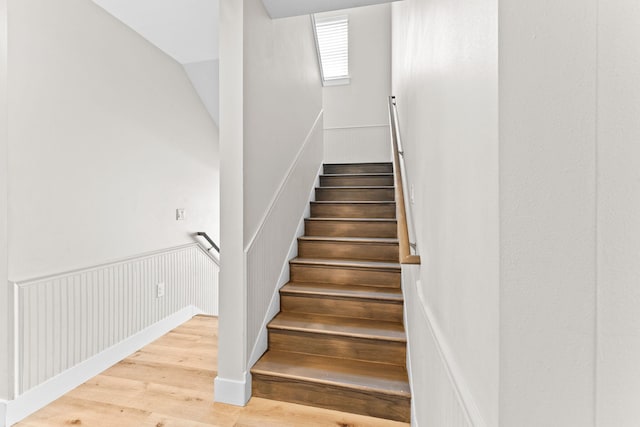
[(331, 81)]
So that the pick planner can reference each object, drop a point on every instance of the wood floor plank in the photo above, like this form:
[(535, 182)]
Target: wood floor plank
[(194, 358), (162, 373), (270, 413), (68, 411), (176, 402)]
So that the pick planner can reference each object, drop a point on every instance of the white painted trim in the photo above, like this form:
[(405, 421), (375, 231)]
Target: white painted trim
[(414, 417), (262, 342), (356, 127), (278, 193), (342, 81), (33, 281), (456, 377), (3, 413), (16, 334), (52, 389), (215, 259), (233, 392)]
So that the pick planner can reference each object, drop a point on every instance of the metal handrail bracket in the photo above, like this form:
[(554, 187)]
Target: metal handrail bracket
[(208, 239)]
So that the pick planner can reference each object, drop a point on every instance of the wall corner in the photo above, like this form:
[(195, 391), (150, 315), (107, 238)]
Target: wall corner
[(6, 299)]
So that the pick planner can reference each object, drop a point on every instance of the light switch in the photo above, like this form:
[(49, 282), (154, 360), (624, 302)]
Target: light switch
[(181, 214)]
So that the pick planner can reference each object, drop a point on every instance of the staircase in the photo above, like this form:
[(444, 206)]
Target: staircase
[(339, 341)]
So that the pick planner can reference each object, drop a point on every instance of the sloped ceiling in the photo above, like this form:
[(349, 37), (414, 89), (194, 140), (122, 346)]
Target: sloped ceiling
[(284, 8), (186, 30)]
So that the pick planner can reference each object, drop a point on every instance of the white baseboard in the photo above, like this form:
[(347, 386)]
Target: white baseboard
[(414, 416), (233, 392), (45, 393), (3, 413), (456, 376)]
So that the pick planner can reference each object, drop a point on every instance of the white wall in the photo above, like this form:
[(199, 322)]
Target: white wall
[(186, 30), (569, 203), (618, 196), (356, 115), (205, 76), (5, 300), (271, 100), (445, 79), (547, 208), (282, 102), (107, 139)]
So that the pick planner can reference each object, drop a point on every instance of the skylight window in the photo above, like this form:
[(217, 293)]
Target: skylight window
[(332, 42)]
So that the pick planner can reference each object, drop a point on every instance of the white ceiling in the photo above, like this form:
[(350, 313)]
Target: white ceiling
[(186, 30), (284, 8)]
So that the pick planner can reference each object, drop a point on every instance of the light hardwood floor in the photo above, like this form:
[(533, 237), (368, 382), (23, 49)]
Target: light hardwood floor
[(169, 383)]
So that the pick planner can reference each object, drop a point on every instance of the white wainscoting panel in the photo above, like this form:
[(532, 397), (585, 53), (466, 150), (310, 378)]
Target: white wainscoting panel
[(267, 253), (357, 144), (439, 394), (65, 319)]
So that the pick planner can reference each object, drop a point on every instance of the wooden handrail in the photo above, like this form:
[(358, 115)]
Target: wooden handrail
[(401, 212)]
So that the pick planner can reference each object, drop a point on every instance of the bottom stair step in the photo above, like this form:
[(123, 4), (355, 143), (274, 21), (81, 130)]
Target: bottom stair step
[(366, 388)]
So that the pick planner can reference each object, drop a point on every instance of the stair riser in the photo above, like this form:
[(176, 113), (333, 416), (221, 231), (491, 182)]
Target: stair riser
[(370, 350), (379, 405), (359, 168), (377, 310), (344, 250), (345, 276), (355, 194), (338, 210), (352, 229), (342, 181)]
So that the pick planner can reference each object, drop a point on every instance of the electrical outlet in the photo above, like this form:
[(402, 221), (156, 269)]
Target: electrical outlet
[(160, 290), (412, 195), (181, 214)]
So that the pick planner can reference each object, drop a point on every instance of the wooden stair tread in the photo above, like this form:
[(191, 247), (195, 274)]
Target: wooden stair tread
[(349, 239), (360, 164), (353, 374), (357, 163), (344, 291), (342, 326), (346, 263), (356, 202), (353, 219), (358, 174), (359, 187)]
